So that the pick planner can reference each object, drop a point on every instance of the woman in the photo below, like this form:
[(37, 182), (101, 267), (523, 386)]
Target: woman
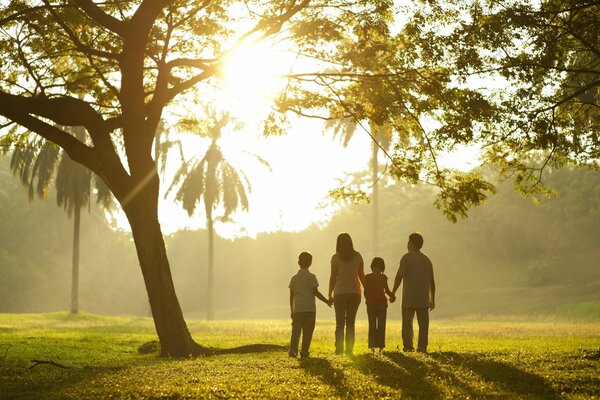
[(347, 275)]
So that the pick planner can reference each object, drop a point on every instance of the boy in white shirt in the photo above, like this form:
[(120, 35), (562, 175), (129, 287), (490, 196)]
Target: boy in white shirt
[(303, 289)]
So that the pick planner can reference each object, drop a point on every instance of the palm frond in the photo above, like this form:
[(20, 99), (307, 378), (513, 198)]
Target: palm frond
[(192, 187), (73, 184), (342, 128), (104, 196)]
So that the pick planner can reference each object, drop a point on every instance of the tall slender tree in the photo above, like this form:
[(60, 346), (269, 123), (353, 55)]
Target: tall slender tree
[(213, 180), (381, 138), (41, 166)]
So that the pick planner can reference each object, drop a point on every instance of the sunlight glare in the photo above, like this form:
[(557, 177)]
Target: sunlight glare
[(251, 76)]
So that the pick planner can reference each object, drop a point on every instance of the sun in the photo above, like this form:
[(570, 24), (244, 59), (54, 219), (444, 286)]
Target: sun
[(251, 76)]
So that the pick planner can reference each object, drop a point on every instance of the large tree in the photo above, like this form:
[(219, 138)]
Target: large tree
[(113, 68)]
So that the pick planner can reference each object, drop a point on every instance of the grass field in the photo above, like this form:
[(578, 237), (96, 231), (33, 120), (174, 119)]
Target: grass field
[(476, 358)]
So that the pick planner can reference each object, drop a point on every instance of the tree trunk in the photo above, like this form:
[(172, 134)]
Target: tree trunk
[(375, 198), (173, 334), (75, 270), (210, 311)]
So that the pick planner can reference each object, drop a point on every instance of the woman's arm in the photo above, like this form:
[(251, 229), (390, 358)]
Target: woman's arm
[(361, 272), (332, 279)]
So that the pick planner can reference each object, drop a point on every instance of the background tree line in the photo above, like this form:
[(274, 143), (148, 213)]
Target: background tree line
[(509, 257)]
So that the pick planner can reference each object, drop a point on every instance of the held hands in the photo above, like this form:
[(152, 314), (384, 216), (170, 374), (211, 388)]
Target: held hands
[(329, 301), (392, 298)]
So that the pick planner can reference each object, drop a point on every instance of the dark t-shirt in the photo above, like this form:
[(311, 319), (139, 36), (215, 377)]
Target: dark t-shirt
[(417, 273), (375, 285)]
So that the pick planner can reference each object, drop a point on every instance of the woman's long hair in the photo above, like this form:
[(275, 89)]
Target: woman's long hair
[(344, 247)]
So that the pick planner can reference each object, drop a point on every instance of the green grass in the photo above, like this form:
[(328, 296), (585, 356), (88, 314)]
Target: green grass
[(471, 358)]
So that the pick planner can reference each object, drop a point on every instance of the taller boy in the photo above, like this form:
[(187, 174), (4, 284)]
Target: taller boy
[(418, 292)]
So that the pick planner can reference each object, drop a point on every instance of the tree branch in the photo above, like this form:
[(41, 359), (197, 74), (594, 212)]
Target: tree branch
[(78, 44), (185, 85), (569, 97), (74, 148), (98, 15), (189, 62), (145, 15)]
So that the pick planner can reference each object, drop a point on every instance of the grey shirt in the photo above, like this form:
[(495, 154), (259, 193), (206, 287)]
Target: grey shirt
[(416, 271)]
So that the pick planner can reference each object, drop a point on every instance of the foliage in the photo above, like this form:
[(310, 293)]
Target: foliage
[(37, 160), (477, 359), (354, 196), (543, 61), (210, 176)]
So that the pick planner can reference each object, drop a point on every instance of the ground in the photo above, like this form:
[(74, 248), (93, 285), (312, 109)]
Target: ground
[(469, 358)]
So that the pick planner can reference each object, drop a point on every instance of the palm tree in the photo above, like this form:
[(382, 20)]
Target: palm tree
[(211, 178), (42, 160), (381, 136)]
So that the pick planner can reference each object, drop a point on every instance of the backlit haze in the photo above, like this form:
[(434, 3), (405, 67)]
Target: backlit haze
[(305, 164)]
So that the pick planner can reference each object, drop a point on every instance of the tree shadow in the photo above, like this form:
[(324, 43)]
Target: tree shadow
[(327, 373), (25, 382), (508, 377), (399, 372), (153, 347)]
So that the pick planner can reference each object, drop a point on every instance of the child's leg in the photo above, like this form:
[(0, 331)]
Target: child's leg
[(372, 314), (296, 328), (381, 326), (308, 327)]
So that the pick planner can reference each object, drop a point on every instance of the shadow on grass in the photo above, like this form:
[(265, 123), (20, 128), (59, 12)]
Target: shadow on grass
[(30, 383), (328, 374), (419, 377), (399, 372), (503, 375), (202, 351)]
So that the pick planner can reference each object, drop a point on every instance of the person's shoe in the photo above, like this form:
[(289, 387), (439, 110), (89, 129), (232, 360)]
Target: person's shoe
[(408, 350), (349, 352), (293, 355), (338, 352), (422, 351), (304, 356)]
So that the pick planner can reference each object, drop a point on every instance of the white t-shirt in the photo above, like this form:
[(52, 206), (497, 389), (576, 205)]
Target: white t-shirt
[(302, 284)]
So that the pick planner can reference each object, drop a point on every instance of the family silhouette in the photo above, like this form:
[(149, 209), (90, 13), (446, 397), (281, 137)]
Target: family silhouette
[(415, 274)]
